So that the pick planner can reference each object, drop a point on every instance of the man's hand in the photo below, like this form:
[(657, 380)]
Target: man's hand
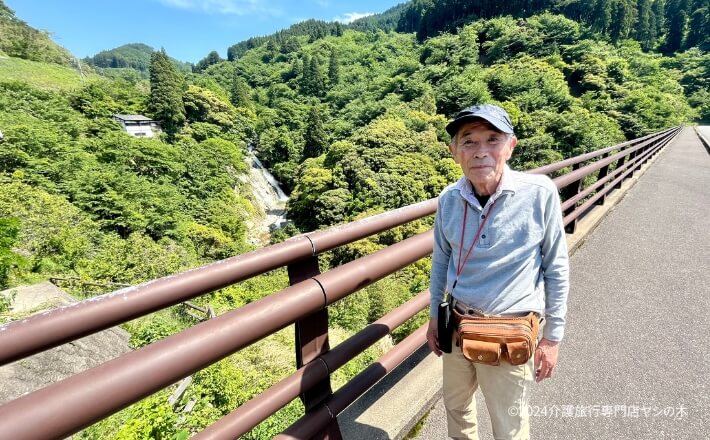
[(545, 359), (432, 336)]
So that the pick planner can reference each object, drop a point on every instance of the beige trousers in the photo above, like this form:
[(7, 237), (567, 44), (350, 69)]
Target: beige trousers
[(505, 388)]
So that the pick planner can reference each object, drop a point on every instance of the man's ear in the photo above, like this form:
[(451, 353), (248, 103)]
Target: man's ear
[(513, 143), (452, 150)]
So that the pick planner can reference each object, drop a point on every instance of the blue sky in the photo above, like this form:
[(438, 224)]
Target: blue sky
[(187, 29)]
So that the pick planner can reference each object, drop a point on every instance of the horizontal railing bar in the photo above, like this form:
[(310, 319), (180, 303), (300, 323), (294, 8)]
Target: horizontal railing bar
[(572, 200), (67, 406), (550, 168), (588, 204), (55, 327), (347, 233), (256, 410), (58, 326), (581, 173), (312, 423), (356, 344)]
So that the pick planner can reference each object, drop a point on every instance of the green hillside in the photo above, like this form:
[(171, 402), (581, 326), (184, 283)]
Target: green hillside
[(386, 21), (17, 39), (665, 25), (41, 75), (383, 100)]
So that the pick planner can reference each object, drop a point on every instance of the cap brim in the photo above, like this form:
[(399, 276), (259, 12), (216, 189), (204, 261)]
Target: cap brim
[(453, 127)]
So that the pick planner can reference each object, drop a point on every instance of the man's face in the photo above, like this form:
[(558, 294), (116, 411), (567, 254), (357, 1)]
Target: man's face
[(482, 153)]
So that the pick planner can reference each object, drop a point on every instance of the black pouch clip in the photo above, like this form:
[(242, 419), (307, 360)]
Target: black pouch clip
[(445, 327)]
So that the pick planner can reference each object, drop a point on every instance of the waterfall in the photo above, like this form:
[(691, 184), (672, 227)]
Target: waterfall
[(275, 185), (269, 195)]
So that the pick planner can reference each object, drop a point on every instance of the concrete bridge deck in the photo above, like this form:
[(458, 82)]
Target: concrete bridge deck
[(635, 361)]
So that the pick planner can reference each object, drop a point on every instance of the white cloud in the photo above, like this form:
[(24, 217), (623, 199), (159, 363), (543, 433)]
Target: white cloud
[(234, 7), (349, 17)]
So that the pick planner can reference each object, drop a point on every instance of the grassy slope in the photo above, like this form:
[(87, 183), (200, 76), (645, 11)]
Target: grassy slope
[(40, 75)]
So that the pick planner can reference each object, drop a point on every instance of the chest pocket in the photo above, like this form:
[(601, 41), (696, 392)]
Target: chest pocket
[(522, 228), (473, 223)]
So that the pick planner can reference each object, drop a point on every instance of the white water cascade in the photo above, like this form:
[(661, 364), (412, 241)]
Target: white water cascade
[(269, 196)]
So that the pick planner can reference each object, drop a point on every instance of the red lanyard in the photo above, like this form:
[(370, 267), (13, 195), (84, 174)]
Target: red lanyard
[(460, 265)]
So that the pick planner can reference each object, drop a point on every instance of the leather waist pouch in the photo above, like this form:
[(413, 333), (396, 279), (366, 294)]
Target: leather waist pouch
[(487, 340)]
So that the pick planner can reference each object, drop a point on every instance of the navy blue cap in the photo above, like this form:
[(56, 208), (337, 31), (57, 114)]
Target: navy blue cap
[(492, 113)]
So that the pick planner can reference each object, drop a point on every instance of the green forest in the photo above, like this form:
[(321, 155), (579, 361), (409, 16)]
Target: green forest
[(349, 118)]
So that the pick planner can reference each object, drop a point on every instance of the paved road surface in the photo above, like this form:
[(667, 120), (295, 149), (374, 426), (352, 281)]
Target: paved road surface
[(638, 334)]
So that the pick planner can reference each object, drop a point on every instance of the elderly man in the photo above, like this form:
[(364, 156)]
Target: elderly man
[(500, 250)]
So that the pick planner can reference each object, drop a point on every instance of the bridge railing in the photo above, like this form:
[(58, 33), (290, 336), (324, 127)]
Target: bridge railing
[(70, 405)]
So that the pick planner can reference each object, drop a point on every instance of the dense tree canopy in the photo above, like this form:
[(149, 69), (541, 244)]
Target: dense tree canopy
[(391, 88), (211, 58)]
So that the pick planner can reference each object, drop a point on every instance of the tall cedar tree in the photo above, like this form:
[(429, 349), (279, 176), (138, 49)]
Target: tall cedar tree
[(305, 79), (240, 91), (645, 29), (676, 17), (699, 29), (316, 141), (313, 78), (658, 7), (333, 68), (166, 90), (623, 20), (601, 15)]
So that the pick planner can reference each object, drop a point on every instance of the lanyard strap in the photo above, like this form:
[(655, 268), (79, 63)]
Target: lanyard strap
[(460, 265)]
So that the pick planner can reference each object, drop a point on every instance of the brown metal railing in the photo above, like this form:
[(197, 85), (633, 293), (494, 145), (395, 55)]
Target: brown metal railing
[(259, 408), (630, 156), (59, 326), (66, 407)]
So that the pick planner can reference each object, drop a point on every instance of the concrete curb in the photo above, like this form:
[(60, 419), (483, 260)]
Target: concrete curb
[(703, 139), (391, 408)]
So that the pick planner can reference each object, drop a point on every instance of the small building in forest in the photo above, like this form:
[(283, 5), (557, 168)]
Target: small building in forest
[(138, 125)]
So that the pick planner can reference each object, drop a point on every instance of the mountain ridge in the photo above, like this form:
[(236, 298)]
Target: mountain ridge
[(131, 55)]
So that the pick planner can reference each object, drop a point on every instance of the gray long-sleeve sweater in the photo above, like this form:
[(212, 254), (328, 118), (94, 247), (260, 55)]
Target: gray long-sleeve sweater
[(520, 261)]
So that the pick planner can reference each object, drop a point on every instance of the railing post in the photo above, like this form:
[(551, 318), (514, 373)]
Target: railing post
[(570, 191), (631, 156), (311, 342), (603, 172), (651, 146), (619, 164)]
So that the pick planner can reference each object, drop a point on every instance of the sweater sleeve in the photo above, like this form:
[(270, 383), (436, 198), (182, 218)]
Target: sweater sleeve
[(439, 264), (555, 267)]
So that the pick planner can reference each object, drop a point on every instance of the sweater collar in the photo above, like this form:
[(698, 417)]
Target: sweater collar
[(506, 185)]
